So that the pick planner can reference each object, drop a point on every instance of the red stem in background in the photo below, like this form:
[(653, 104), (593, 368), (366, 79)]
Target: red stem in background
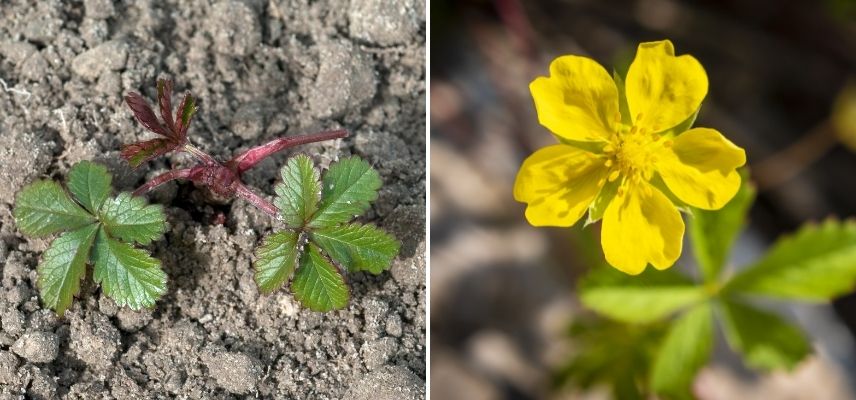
[(251, 157), (256, 200), (187, 173)]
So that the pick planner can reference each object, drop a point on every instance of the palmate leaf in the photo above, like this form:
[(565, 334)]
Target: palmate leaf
[(647, 297), (817, 263), (765, 340), (63, 266), (127, 275), (277, 259), (90, 184), (138, 153), (318, 283), (685, 350), (348, 188), (298, 194), (131, 219), (713, 232), (357, 247), (43, 208)]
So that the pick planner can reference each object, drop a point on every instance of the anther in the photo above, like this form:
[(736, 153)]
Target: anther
[(614, 175)]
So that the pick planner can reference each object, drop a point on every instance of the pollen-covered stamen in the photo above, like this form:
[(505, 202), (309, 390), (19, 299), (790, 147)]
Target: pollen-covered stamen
[(631, 153)]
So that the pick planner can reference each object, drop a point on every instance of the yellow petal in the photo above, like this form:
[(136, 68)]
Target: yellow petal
[(558, 182), (641, 226), (579, 101), (663, 90), (700, 168)]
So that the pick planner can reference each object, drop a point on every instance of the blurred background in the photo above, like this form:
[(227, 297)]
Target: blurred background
[(502, 292)]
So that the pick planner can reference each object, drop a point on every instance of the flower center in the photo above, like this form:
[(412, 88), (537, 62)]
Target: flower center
[(631, 153)]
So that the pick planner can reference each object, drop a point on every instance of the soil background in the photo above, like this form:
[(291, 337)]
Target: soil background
[(260, 69)]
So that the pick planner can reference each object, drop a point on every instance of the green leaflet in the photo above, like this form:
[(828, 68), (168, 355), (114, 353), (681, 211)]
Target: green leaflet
[(318, 283), (358, 247), (817, 263), (90, 184), (127, 275), (348, 188), (647, 297), (63, 266), (43, 208), (685, 350), (277, 259), (298, 194), (713, 232), (131, 219), (766, 340)]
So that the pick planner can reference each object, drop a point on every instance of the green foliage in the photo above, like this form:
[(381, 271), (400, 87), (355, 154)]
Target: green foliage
[(650, 296), (713, 232), (817, 263), (612, 354), (319, 244), (765, 340), (98, 227), (298, 195), (684, 352), (348, 188)]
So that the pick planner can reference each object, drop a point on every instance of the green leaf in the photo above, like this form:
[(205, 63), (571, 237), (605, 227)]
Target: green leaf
[(815, 264), (127, 275), (647, 297), (63, 266), (604, 197), (765, 340), (349, 186), (610, 354), (623, 107), (713, 232), (298, 194), (131, 219), (277, 259), (358, 247), (90, 184), (43, 208), (684, 352), (318, 284)]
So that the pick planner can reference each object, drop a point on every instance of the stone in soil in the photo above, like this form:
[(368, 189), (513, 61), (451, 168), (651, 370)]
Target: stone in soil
[(238, 373), (37, 347), (388, 383)]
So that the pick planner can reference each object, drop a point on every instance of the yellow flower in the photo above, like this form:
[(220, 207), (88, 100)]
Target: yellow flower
[(625, 161)]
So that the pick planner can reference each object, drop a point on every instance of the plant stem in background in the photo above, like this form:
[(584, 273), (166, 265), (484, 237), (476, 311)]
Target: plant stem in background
[(787, 163)]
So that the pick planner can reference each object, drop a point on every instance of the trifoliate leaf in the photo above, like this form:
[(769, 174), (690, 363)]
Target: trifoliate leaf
[(63, 266), (43, 208), (765, 340), (318, 284), (90, 184), (277, 259), (131, 219), (713, 232), (127, 275), (348, 188), (647, 297), (684, 352), (815, 264), (358, 247), (298, 194)]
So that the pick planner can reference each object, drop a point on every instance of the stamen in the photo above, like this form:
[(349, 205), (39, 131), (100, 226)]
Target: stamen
[(614, 175)]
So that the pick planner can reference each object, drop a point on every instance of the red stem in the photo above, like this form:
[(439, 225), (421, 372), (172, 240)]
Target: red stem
[(251, 157), (187, 173), (256, 200)]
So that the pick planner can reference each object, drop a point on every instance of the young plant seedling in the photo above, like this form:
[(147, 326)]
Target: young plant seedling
[(223, 179), (319, 237), (99, 230)]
